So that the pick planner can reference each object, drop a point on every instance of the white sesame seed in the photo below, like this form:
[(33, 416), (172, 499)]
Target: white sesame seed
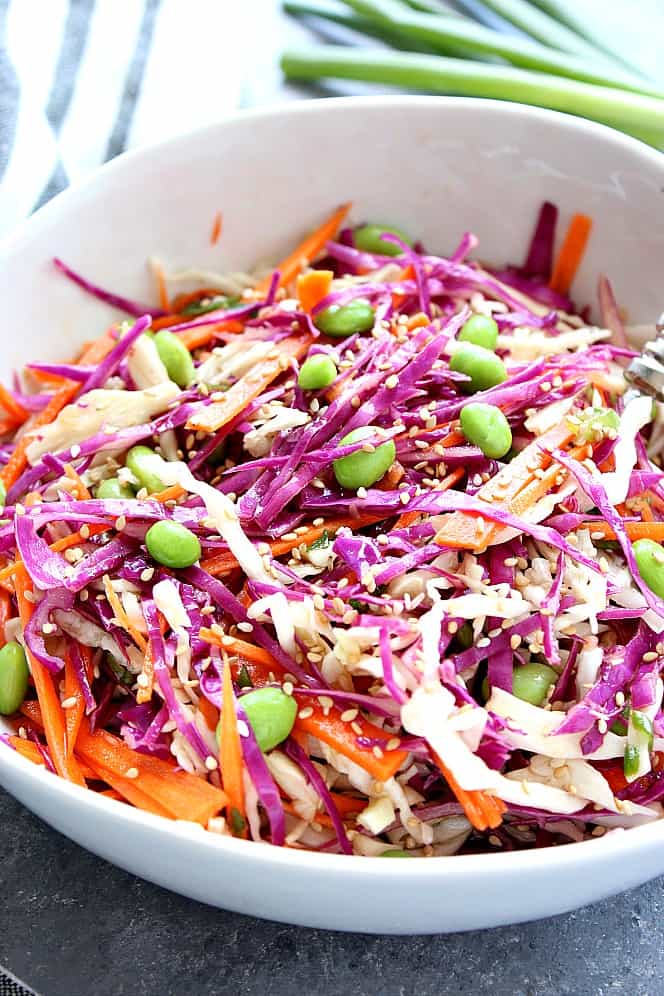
[(147, 574), (120, 523), (142, 680), (391, 381), (361, 492), (75, 451), (131, 773), (211, 763), (288, 687), (306, 712), (246, 627), (69, 703), (349, 715)]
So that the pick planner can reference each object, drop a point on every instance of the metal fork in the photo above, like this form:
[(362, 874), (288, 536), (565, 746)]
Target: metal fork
[(646, 372)]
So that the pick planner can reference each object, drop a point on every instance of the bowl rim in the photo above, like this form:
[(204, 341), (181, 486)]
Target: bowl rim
[(605, 848)]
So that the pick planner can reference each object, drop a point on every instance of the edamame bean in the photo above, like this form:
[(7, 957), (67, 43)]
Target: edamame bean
[(369, 238), (341, 320), (480, 330), (360, 469), (172, 544), (484, 368), (394, 852), (14, 676), (271, 714), (650, 562), (317, 371), (176, 357), (486, 427), (113, 488), (138, 460), (531, 682)]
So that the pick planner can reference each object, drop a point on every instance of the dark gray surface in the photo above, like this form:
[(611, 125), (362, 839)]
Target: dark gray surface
[(73, 925)]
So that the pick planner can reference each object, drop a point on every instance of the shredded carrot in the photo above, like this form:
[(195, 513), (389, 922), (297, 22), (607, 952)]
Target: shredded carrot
[(307, 250), (27, 749), (162, 289), (16, 412), (145, 691), (17, 462), (634, 530), (210, 417), (81, 492), (312, 287), (224, 562), (5, 613), (482, 809), (571, 253), (230, 750), (169, 494), (54, 723), (180, 302), (217, 225), (418, 321), (74, 713), (324, 724), (210, 713), (121, 617), (194, 338), (182, 795)]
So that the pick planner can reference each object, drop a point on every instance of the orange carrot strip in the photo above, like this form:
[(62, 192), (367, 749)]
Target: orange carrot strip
[(331, 729), (82, 492), (217, 224), (16, 412), (127, 790), (210, 713), (180, 302), (459, 530), (209, 418), (121, 616), (27, 749), (196, 337), (5, 613), (482, 809), (312, 287), (634, 530), (224, 562), (162, 289), (54, 723), (307, 250), (17, 463), (185, 796), (571, 253), (230, 750), (73, 714), (169, 494)]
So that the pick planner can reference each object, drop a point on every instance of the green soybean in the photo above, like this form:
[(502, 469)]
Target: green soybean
[(317, 371), (394, 852), (480, 330), (484, 368), (361, 469), (113, 488), (341, 320), (369, 238), (176, 357), (14, 676), (650, 562), (486, 427), (172, 544), (531, 682), (271, 714), (138, 460)]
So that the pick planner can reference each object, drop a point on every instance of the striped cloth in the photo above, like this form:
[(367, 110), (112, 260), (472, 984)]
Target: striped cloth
[(82, 80)]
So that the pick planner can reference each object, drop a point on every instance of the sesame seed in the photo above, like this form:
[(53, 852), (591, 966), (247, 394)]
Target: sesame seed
[(306, 712), (142, 680), (288, 687), (246, 627), (131, 773), (319, 522), (349, 715), (598, 831), (452, 627), (147, 574), (649, 656), (48, 628), (515, 641), (85, 531), (404, 497), (120, 523), (393, 743), (484, 642), (69, 703), (496, 841), (361, 492), (620, 698), (211, 763), (355, 402), (356, 728), (392, 381), (75, 451), (377, 752)]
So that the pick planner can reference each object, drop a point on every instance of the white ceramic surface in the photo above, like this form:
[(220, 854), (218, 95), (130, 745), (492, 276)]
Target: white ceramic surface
[(435, 167)]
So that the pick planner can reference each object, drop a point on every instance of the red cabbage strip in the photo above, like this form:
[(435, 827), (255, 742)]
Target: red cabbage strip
[(356, 260), (215, 317), (228, 603), (115, 300), (46, 568), (610, 316), (69, 370), (379, 706), (42, 750), (615, 673), (142, 730), (163, 657), (396, 568), (268, 793), (539, 292), (78, 665), (595, 490), (101, 561), (415, 261), (436, 502), (468, 243), (500, 663), (110, 363), (563, 688), (33, 632), (468, 658), (296, 754), (388, 667), (539, 261)]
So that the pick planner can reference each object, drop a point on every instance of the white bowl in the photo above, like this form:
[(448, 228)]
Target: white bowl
[(435, 167)]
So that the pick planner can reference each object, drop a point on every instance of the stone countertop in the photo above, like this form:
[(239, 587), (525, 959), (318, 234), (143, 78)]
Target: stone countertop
[(73, 925)]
